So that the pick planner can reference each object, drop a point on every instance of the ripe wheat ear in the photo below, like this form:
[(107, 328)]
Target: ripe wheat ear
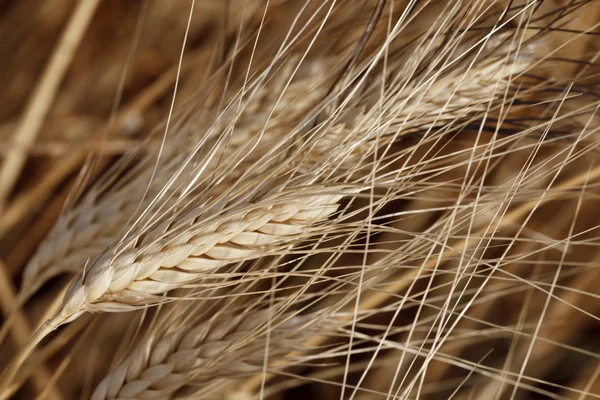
[(83, 232), (184, 247), (90, 226), (197, 350)]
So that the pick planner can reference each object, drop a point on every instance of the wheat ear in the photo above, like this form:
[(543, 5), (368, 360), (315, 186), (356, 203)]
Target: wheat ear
[(226, 346), (124, 281), (166, 257), (83, 231)]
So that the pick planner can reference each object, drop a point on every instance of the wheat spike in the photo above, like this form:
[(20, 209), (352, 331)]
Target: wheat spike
[(119, 282), (183, 248), (83, 231), (195, 353)]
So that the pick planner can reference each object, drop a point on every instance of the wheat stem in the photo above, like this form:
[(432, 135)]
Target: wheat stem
[(44, 93), (17, 361)]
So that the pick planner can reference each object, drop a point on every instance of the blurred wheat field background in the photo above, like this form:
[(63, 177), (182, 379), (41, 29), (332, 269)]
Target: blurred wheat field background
[(380, 199)]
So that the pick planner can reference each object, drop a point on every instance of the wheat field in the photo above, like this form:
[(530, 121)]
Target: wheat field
[(299, 199)]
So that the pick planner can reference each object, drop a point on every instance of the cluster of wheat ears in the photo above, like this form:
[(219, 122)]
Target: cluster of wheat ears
[(344, 199)]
